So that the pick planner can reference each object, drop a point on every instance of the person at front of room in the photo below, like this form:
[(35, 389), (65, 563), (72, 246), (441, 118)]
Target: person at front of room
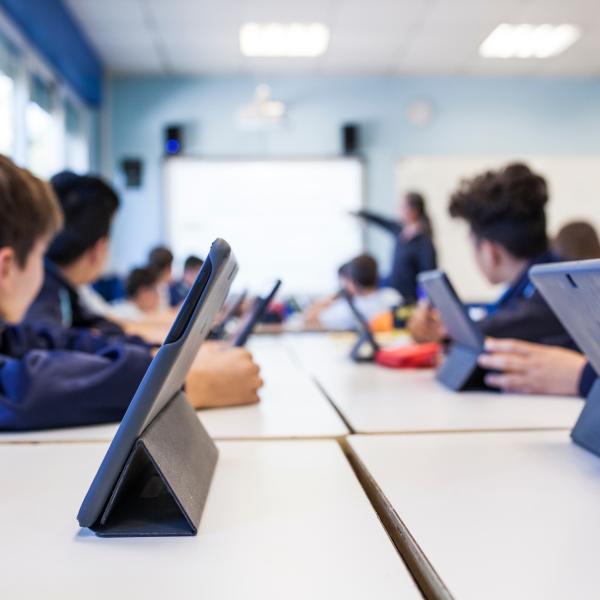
[(505, 210), (414, 251), (359, 277), (58, 377)]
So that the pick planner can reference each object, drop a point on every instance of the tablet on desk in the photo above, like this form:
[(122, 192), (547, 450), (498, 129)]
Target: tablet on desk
[(460, 370), (461, 328), (256, 314), (572, 290), (166, 374)]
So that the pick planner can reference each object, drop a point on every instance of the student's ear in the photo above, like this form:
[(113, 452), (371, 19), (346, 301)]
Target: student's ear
[(7, 263)]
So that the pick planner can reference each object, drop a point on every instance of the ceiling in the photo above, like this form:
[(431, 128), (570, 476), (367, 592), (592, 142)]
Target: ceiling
[(367, 36)]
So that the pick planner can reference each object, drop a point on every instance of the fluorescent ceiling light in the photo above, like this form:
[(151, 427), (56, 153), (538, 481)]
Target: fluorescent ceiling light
[(529, 41), (276, 40)]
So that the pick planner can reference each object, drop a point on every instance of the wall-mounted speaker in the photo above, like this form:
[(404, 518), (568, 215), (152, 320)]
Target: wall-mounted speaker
[(351, 139), (173, 142), (132, 169)]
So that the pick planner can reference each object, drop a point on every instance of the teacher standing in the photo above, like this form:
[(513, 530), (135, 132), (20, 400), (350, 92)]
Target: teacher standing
[(414, 251)]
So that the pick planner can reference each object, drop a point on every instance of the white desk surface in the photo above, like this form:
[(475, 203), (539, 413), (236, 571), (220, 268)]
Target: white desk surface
[(498, 515), (375, 399), (291, 407), (283, 520)]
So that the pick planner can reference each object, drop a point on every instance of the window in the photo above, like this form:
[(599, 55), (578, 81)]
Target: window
[(43, 154), (76, 143), (8, 65)]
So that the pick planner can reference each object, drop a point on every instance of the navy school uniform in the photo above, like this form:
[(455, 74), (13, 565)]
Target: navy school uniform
[(60, 377), (177, 293), (523, 314), (411, 257), (58, 305)]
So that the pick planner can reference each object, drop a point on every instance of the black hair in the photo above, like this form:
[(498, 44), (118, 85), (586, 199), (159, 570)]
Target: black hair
[(88, 204), (160, 258), (506, 206), (416, 201), (362, 271), (192, 262), (138, 278)]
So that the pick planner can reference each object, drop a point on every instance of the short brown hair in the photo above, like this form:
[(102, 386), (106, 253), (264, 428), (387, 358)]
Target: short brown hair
[(362, 271), (29, 208)]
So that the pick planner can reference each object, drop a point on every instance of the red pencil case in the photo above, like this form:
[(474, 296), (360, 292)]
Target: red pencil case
[(418, 356)]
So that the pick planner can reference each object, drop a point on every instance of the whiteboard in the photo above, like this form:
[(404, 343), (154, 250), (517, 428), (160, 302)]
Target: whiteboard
[(574, 185), (283, 218)]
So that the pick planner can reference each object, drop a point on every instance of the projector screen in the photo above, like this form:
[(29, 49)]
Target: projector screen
[(283, 218)]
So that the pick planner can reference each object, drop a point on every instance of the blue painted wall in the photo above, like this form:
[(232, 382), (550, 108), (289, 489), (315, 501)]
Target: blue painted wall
[(471, 115), (51, 29)]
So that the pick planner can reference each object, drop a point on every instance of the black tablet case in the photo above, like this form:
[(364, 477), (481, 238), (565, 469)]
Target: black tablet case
[(460, 370), (164, 482), (572, 290), (365, 349)]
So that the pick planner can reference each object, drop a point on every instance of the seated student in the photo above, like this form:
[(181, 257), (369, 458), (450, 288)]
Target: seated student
[(77, 255), (505, 210), (143, 298), (577, 241), (178, 290), (359, 277), (57, 377), (160, 258)]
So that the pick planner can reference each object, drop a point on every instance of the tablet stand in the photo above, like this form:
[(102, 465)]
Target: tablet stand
[(460, 370), (164, 483), (365, 348), (586, 432)]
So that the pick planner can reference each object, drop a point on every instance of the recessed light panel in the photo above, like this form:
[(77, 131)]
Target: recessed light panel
[(284, 40), (529, 41)]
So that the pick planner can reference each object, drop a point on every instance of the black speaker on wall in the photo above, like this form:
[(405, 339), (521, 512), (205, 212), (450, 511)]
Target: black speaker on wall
[(132, 169), (173, 143), (351, 139)]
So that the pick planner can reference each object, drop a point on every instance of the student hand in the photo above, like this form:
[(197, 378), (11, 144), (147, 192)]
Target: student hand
[(532, 368), (223, 376), (425, 324)]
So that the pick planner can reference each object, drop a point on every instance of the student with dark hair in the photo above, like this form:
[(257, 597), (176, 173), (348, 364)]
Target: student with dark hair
[(178, 290), (53, 376), (577, 241), (142, 295), (360, 279), (77, 255), (160, 258), (414, 251), (505, 210)]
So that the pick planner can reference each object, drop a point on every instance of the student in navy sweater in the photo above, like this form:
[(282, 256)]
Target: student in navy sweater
[(55, 377), (505, 210)]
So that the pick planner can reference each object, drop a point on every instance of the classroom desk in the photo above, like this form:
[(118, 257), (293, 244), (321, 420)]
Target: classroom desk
[(282, 520), (375, 399), (291, 406), (498, 515)]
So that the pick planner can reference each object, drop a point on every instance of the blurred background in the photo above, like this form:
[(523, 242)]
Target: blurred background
[(267, 122)]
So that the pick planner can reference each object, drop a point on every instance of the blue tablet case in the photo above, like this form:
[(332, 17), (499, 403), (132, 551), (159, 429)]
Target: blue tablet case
[(460, 370), (156, 474), (572, 290)]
